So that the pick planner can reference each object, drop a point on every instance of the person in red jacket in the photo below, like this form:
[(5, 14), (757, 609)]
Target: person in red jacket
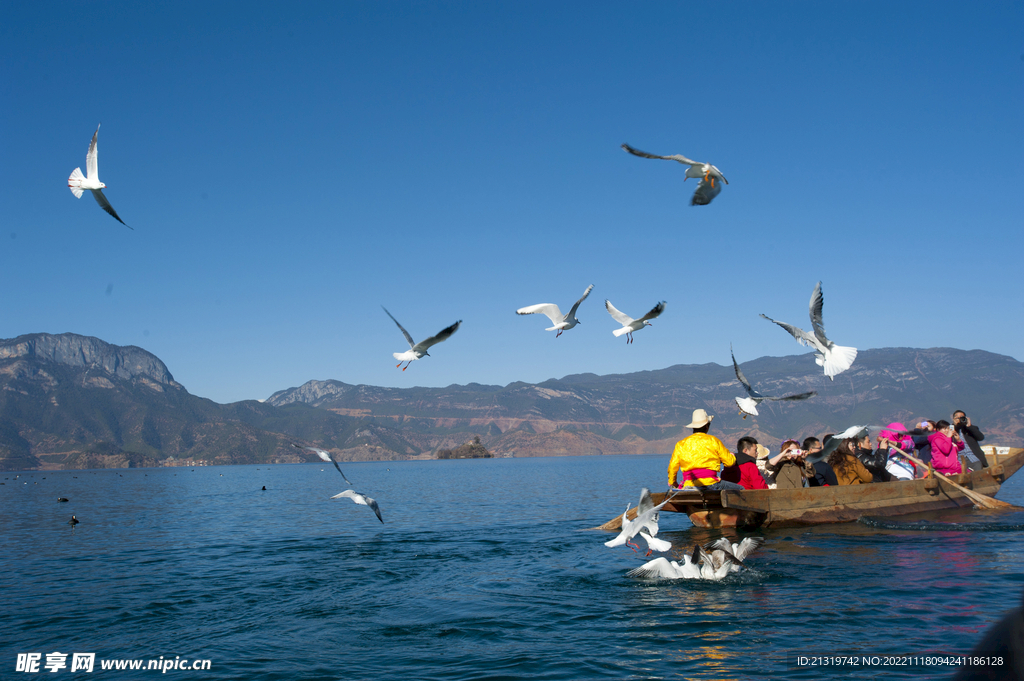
[(745, 472)]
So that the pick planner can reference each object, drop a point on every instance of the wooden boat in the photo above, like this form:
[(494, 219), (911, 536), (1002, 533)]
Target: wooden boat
[(749, 509)]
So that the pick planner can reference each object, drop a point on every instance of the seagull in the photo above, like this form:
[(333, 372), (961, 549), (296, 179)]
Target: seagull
[(706, 189), (629, 325), (748, 405), (419, 349), (78, 183), (724, 551), (646, 518), (326, 456), (662, 567), (361, 499), (835, 359), (711, 570), (550, 310)]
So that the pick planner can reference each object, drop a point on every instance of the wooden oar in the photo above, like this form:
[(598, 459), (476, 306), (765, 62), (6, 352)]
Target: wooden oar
[(977, 497)]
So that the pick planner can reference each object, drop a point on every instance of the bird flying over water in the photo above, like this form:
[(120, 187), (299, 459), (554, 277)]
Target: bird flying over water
[(326, 456), (360, 499), (646, 519), (78, 183), (551, 311), (834, 359), (748, 405), (711, 178), (629, 325), (419, 350)]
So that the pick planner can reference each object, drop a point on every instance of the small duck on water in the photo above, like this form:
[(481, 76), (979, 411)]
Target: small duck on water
[(62, 499), (74, 521)]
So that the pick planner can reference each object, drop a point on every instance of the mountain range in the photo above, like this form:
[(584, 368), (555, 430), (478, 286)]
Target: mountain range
[(70, 401)]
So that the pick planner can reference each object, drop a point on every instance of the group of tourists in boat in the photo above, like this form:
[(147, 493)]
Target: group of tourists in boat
[(848, 458)]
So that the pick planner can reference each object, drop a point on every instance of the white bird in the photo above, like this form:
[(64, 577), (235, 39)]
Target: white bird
[(711, 570), (706, 189), (724, 551), (326, 456), (646, 519), (662, 567), (550, 310), (78, 183), (419, 349), (360, 499), (748, 405), (835, 359), (629, 325), (655, 544)]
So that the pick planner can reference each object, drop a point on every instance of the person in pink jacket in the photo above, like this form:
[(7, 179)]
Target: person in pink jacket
[(946, 445)]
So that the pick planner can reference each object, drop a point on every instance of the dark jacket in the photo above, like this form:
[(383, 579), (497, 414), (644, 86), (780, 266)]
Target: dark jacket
[(922, 445), (823, 475), (875, 463), (972, 436)]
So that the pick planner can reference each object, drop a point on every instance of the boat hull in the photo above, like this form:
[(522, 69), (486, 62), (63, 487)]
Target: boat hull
[(750, 509)]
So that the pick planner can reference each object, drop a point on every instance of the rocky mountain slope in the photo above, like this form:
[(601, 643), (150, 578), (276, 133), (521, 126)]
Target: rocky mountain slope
[(645, 412), (69, 401)]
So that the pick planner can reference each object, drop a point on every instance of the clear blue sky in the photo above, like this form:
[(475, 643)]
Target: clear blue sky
[(289, 167)]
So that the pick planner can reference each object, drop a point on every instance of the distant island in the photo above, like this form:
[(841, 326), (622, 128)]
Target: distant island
[(470, 450), (71, 401)]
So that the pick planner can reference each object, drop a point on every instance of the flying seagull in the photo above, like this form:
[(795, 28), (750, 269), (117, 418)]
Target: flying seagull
[(79, 183), (550, 310), (646, 519), (629, 325), (707, 189), (748, 405), (326, 456), (419, 349), (835, 359), (360, 499)]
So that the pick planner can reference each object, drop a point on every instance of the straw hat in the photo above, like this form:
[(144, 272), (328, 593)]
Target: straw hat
[(700, 419), (762, 452)]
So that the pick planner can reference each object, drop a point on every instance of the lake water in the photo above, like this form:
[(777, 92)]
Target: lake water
[(483, 569)]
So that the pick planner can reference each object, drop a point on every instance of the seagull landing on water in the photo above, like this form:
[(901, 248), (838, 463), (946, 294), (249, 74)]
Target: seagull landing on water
[(707, 188), (629, 325), (78, 183), (748, 405), (835, 359), (419, 349), (646, 519), (326, 456), (551, 311), (360, 499), (662, 567)]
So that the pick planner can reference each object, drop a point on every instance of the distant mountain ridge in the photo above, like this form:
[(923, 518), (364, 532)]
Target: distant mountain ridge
[(645, 412), (69, 401)]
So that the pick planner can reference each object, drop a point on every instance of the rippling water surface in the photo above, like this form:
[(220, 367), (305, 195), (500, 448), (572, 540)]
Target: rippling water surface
[(484, 569)]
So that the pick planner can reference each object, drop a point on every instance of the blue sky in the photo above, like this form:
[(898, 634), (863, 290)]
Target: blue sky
[(289, 168)]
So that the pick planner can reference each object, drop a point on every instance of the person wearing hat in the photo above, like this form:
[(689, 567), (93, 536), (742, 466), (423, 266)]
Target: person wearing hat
[(698, 458)]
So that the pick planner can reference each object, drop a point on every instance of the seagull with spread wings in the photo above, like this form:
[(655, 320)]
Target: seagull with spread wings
[(834, 359), (551, 311), (78, 183), (707, 189), (360, 499), (419, 350), (629, 325), (326, 456), (748, 405)]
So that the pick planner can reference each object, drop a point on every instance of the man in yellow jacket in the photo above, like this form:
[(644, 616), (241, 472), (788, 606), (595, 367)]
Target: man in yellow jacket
[(699, 457)]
